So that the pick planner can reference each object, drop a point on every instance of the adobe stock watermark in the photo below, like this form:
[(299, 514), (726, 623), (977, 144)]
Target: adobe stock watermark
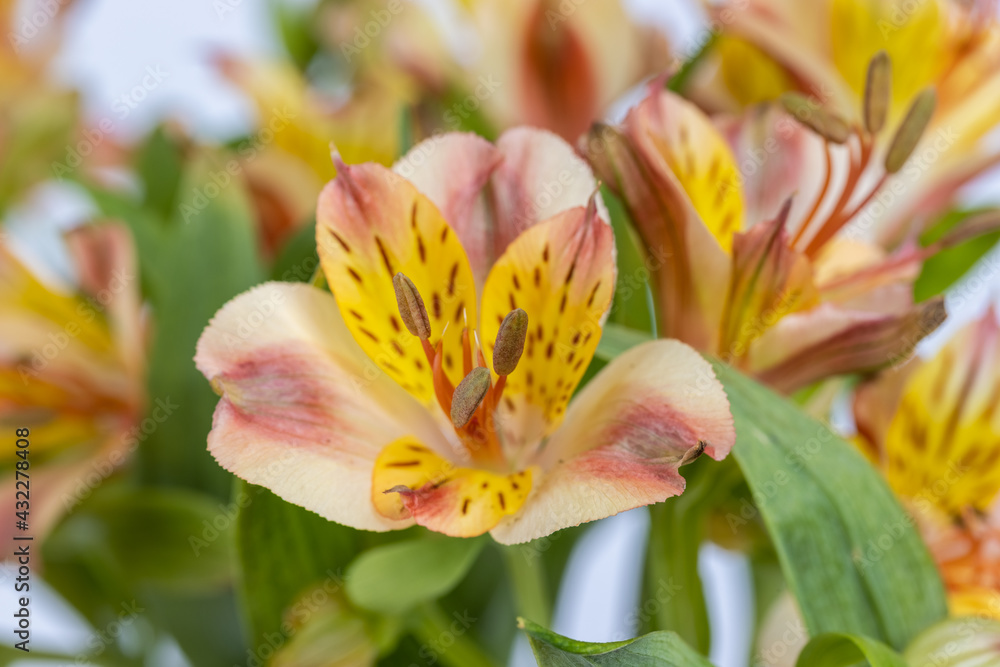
[(365, 33), (123, 105), (792, 639), (431, 651), (296, 617), (34, 363), (31, 25), (102, 469), (219, 179), (110, 633), (666, 590)]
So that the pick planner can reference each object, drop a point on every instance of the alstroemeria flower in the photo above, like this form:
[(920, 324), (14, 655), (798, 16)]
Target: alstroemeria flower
[(759, 268), (823, 48), (934, 428), (72, 369), (397, 400)]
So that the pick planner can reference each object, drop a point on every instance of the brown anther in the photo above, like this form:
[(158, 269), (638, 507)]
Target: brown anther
[(825, 123), (411, 307), (468, 395), (510, 342), (878, 91), (910, 130)]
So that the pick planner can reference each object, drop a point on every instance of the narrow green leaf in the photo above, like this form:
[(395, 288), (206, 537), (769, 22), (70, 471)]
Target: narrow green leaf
[(615, 339), (839, 650), (397, 577), (657, 649), (947, 267), (630, 307), (208, 254), (284, 552), (850, 552), (146, 535)]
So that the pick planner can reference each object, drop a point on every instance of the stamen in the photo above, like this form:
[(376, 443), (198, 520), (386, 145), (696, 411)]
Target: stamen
[(878, 89), (468, 395), (443, 389), (910, 130), (510, 342), (411, 307), (823, 122)]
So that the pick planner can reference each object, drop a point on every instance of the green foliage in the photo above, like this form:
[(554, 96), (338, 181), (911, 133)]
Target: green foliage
[(192, 261), (397, 577), (130, 556), (839, 650), (287, 555), (849, 551), (948, 266), (656, 649)]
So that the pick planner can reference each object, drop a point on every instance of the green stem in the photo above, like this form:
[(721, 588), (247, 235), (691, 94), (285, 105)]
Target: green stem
[(531, 586), (674, 596), (449, 637)]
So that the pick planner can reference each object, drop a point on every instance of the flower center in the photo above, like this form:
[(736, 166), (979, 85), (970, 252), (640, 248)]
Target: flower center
[(472, 405)]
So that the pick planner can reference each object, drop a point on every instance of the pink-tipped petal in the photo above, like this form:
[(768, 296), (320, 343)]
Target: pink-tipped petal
[(451, 170), (303, 411), (651, 410)]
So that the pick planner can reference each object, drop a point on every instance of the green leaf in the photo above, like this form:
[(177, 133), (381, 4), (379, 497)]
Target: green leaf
[(616, 339), (145, 536), (631, 303), (159, 166), (677, 531), (944, 269), (840, 650), (204, 256), (297, 260), (284, 552), (849, 551), (397, 577), (657, 649)]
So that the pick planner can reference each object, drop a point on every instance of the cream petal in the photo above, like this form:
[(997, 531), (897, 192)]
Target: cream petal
[(303, 411), (653, 409)]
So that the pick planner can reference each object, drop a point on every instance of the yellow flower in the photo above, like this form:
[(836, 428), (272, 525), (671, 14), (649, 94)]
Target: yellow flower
[(751, 214), (934, 428), (823, 49), (434, 386), (72, 367)]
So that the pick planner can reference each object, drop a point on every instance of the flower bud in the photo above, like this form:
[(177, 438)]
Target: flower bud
[(910, 130), (468, 395), (510, 342), (411, 307)]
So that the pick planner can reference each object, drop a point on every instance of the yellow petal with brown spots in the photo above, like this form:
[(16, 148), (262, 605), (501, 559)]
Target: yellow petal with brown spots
[(371, 224), (411, 481), (943, 444), (701, 160), (562, 273)]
